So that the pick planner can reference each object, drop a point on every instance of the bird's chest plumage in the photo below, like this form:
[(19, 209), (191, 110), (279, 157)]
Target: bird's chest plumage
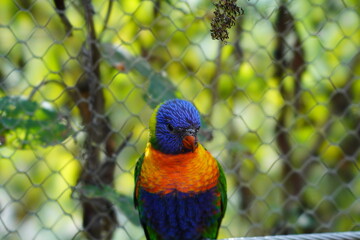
[(193, 172)]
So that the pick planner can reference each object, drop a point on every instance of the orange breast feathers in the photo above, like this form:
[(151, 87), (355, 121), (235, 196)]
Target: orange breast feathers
[(190, 172)]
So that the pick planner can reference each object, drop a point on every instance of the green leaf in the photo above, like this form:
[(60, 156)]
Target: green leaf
[(160, 90), (24, 122), (160, 87), (15, 106), (124, 203)]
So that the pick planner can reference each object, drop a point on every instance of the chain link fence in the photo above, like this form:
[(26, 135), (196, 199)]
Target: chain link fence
[(280, 103)]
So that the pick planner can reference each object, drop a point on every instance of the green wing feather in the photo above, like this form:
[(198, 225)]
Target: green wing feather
[(212, 232), (149, 233), (137, 174), (222, 187)]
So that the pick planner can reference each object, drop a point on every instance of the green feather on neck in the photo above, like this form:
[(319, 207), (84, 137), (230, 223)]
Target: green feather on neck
[(152, 127)]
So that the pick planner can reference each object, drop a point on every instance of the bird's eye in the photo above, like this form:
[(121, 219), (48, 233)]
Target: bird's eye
[(170, 127), (197, 129)]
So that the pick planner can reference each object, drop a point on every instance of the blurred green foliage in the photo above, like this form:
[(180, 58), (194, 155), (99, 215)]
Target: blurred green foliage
[(24, 122), (122, 201), (159, 45), (160, 87)]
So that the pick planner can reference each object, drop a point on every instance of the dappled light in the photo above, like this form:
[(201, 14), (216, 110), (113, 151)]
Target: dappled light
[(278, 91)]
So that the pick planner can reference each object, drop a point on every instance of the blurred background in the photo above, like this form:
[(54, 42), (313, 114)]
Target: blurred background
[(279, 99)]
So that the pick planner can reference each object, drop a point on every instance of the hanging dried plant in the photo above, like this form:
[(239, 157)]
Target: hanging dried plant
[(226, 12)]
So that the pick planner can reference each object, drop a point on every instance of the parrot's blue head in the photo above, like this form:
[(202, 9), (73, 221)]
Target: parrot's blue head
[(174, 126)]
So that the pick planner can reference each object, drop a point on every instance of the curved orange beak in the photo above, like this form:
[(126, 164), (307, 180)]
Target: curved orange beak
[(190, 142)]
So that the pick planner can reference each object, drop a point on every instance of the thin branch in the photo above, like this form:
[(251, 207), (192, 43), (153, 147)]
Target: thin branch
[(214, 80), (107, 17), (123, 145), (60, 10), (239, 53), (37, 88), (106, 172)]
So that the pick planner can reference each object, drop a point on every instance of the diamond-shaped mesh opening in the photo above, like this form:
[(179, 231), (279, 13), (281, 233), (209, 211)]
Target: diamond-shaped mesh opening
[(279, 99)]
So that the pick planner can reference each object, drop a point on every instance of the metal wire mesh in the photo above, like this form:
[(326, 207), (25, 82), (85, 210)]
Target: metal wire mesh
[(280, 101), (314, 236)]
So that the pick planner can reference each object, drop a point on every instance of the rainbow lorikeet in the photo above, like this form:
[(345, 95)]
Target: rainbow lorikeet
[(180, 188)]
